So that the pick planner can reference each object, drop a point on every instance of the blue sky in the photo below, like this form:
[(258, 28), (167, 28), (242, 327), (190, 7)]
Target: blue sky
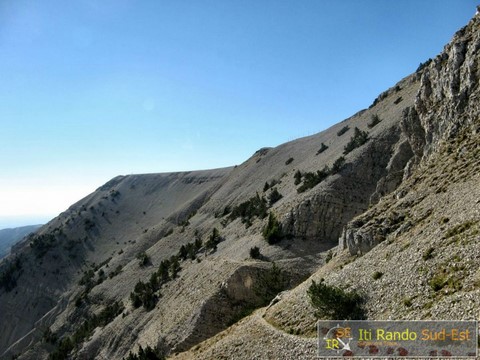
[(93, 89)]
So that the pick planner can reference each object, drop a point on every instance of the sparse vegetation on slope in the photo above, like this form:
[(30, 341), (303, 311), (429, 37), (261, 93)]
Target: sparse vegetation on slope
[(333, 302), (190, 250), (375, 120), (423, 65), (298, 177), (274, 196), (143, 258), (144, 294), (337, 165), (343, 130), (145, 354), (358, 139), (310, 179), (323, 147), (42, 243), (69, 343), (213, 240), (272, 232), (256, 206), (147, 294)]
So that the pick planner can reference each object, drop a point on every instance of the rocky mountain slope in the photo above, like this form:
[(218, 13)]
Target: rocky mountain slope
[(413, 255), (8, 237), (174, 261)]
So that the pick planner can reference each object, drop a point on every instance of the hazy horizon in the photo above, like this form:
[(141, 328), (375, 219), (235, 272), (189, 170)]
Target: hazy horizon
[(93, 90), (20, 221)]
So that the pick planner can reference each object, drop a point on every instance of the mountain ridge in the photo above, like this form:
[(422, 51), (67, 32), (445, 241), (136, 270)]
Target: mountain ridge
[(363, 193)]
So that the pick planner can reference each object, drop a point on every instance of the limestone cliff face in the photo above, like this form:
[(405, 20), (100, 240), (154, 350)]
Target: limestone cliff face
[(448, 98), (445, 106), (370, 172), (374, 172)]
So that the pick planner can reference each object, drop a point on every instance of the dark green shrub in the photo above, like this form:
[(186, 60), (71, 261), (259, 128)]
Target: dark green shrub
[(144, 294), (377, 275), (190, 250), (88, 224), (254, 207), (143, 258), (145, 354), (335, 303), (255, 252), (198, 244), (459, 229), (310, 180), (266, 186), (213, 240), (379, 98), (183, 252), (274, 196), (174, 266), (423, 65), (375, 120), (343, 130), (297, 177), (358, 139), (437, 282), (101, 276), (428, 254), (163, 271), (338, 165), (114, 194), (323, 147), (115, 272), (272, 232), (289, 161), (107, 315), (87, 279), (226, 210)]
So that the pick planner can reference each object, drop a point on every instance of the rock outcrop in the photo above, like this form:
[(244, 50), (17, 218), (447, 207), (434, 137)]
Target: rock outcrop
[(445, 106)]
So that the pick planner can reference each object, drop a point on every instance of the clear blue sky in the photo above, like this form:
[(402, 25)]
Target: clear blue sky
[(92, 89)]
